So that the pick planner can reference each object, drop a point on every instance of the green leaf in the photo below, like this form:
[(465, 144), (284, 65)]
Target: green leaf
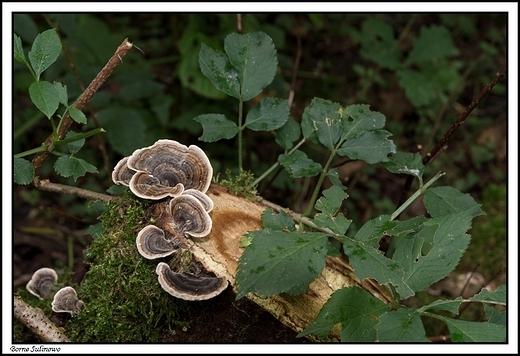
[(124, 127), (321, 121), (372, 147), (279, 221), (433, 42), (356, 310), (61, 89), (253, 55), (67, 166), (435, 251), (329, 205), (299, 165), (494, 316), (19, 55), (44, 95), (378, 44), (418, 88), (497, 297), (362, 136), (45, 51), (277, 262), (405, 163), (95, 231), (472, 331), (269, 114), (216, 66), (287, 134), (403, 325), (446, 200), (75, 146), (77, 115), (449, 305), (216, 127), (23, 171)]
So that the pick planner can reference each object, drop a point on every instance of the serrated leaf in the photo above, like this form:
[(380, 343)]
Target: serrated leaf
[(322, 122), (23, 171), (497, 297), (299, 165), (253, 56), (407, 227), (447, 200), (44, 95), (494, 316), (418, 88), (75, 146), (215, 65), (269, 114), (372, 147), (357, 311), (372, 231), (19, 55), (67, 166), (369, 262), (433, 42), (216, 127), (329, 205), (378, 43), (45, 50), (472, 331), (279, 221), (447, 242), (61, 89), (77, 115), (276, 262), (287, 134), (403, 325), (405, 163), (449, 305)]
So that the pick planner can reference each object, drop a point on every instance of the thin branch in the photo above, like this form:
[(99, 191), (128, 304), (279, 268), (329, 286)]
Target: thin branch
[(37, 322), (48, 186), (85, 97), (441, 145)]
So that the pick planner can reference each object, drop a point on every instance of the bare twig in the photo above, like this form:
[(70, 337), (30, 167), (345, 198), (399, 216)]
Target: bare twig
[(37, 322), (84, 98), (48, 186), (442, 143)]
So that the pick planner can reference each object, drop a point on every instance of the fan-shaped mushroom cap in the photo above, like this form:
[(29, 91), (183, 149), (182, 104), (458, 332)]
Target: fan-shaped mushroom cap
[(122, 174), (66, 301), (190, 216), (152, 243), (206, 201), (172, 163), (42, 282), (149, 187), (188, 286)]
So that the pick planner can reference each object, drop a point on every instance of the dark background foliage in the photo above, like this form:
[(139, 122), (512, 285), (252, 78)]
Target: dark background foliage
[(346, 58)]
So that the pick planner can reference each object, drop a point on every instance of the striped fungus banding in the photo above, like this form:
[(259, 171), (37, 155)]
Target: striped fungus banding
[(190, 216), (152, 243), (121, 174), (42, 282), (189, 286), (66, 301)]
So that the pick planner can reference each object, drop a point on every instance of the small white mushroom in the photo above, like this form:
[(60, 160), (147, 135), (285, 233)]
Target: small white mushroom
[(152, 243), (66, 301), (42, 282), (190, 216), (189, 286)]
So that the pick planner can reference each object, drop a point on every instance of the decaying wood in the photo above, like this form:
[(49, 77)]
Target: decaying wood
[(219, 252), (36, 320)]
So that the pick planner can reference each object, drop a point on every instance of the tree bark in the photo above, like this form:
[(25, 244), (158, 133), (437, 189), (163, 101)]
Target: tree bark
[(219, 252)]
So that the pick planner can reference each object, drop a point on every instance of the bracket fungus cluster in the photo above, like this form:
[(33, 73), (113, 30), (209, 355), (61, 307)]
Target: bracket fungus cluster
[(65, 300), (177, 177)]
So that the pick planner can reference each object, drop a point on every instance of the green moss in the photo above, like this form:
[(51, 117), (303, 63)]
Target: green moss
[(241, 184), (123, 299)]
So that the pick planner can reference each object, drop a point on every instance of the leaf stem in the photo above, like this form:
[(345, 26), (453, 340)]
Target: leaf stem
[(240, 109), (420, 191), (273, 167), (317, 188)]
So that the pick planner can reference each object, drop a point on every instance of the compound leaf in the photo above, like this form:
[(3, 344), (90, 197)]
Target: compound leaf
[(299, 165), (403, 325), (45, 50), (446, 200), (269, 114), (67, 166), (45, 96), (216, 127), (216, 66)]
